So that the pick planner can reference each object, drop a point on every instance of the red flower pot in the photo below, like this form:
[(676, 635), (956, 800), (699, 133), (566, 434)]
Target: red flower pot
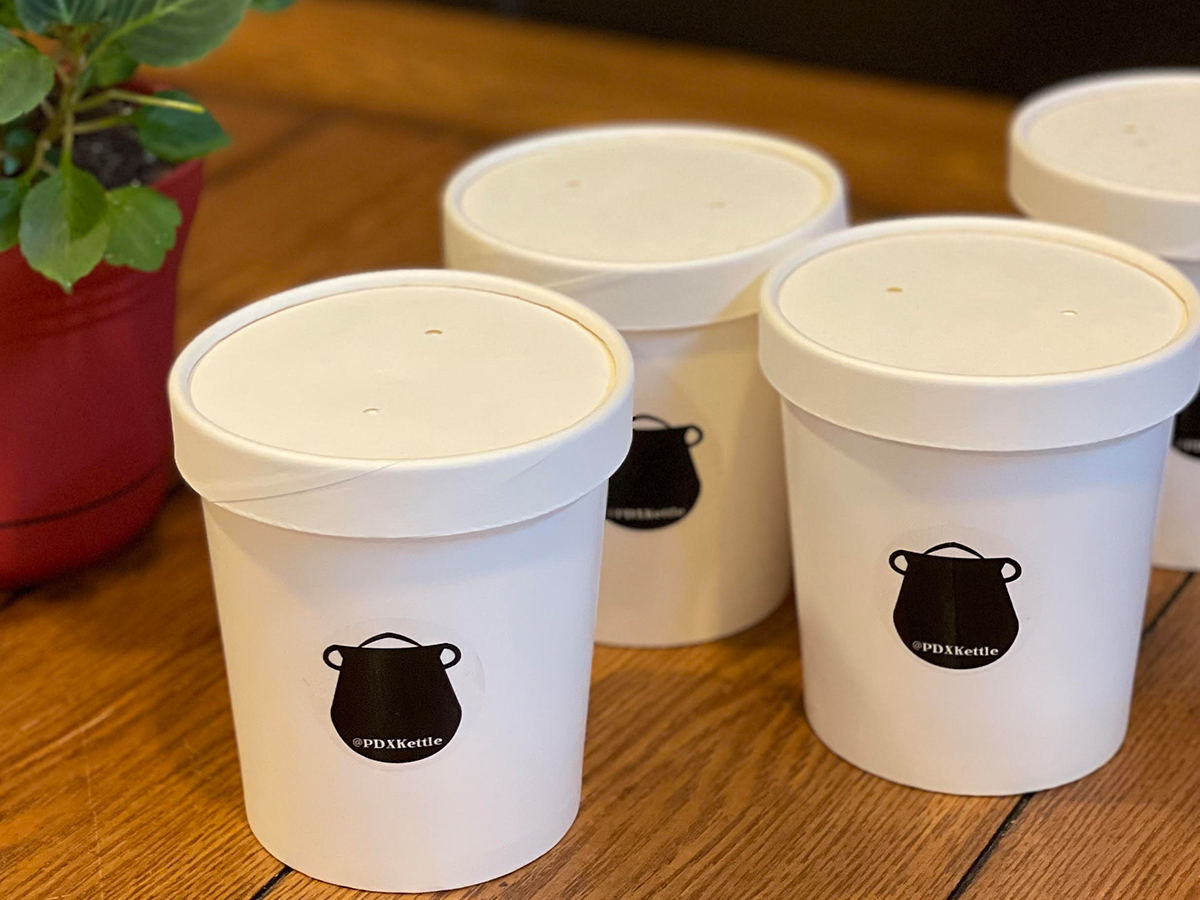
[(85, 434)]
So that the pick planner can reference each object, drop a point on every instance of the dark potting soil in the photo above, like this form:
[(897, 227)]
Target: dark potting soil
[(114, 155), (116, 158)]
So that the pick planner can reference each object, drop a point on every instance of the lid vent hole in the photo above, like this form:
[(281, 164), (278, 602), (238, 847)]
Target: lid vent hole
[(371, 411)]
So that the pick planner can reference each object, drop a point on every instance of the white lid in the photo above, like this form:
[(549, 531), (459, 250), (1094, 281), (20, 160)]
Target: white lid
[(981, 333), (1118, 154), (402, 404), (652, 225)]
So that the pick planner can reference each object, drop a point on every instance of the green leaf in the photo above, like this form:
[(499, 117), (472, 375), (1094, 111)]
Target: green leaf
[(270, 6), (40, 15), (55, 234), (12, 192), (84, 201), (8, 14), (171, 32), (176, 134), (26, 76), (141, 228), (18, 138), (113, 66)]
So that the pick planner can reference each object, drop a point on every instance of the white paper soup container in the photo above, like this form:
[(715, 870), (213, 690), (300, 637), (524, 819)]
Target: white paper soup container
[(1120, 155), (976, 412), (667, 230), (403, 477)]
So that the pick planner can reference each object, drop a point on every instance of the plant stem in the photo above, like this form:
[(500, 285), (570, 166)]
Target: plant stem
[(150, 100), (39, 157), (93, 101), (67, 101), (101, 124), (68, 137)]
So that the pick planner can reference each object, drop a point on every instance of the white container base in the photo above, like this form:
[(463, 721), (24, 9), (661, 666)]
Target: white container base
[(519, 604), (1056, 705), (724, 566)]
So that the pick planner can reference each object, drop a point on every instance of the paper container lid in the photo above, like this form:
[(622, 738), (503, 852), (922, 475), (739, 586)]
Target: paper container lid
[(981, 333), (1118, 154), (402, 404), (654, 226)]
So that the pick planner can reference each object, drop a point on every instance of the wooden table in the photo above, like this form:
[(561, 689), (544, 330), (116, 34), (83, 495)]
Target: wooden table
[(118, 773)]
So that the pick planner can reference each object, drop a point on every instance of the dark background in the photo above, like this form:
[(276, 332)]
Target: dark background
[(1006, 46)]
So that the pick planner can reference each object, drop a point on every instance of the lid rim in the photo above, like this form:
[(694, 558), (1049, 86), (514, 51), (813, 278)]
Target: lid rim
[(463, 178), (234, 471), (199, 346), (784, 349), (366, 465), (1160, 220), (640, 296), (1065, 92)]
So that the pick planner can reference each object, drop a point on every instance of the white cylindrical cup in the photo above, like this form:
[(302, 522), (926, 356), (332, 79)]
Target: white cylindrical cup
[(667, 230), (976, 412), (1118, 154), (403, 476)]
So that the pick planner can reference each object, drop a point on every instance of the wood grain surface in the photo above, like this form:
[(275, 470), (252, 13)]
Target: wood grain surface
[(118, 774), (905, 148)]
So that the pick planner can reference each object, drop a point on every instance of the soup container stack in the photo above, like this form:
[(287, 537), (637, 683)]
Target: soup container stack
[(976, 414), (1120, 155), (403, 477), (667, 232)]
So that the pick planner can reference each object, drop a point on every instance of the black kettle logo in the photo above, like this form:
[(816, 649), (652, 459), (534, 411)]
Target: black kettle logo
[(657, 485), (955, 611), (1187, 429), (394, 704)]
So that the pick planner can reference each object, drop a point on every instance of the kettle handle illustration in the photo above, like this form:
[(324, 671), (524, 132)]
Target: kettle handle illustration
[(399, 637), (689, 438), (663, 422), (957, 546), (903, 554)]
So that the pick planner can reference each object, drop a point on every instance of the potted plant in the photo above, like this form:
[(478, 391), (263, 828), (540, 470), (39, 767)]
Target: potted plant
[(99, 179)]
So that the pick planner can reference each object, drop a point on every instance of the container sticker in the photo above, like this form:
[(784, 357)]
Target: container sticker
[(657, 485), (1186, 437), (393, 698), (953, 607)]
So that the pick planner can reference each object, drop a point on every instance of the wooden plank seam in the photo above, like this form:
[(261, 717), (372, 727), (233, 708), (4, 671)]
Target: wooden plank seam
[(1019, 807), (270, 885)]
